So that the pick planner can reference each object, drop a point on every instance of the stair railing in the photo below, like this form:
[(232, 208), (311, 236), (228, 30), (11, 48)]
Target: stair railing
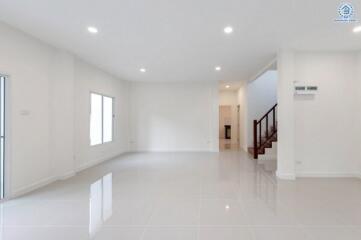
[(257, 131)]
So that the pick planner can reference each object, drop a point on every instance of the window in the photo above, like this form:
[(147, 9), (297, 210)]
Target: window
[(101, 119)]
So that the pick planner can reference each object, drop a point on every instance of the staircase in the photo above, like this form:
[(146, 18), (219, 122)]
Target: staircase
[(265, 136)]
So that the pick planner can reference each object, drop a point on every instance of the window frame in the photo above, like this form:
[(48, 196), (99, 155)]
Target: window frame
[(102, 117)]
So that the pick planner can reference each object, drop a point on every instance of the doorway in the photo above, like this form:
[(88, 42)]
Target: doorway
[(228, 127)]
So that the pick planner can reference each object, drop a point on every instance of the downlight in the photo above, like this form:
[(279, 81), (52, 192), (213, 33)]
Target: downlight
[(92, 30)]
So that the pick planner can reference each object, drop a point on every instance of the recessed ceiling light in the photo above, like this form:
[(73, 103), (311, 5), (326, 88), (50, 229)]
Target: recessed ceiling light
[(143, 70), (228, 30), (357, 29), (218, 68), (92, 30), (227, 86)]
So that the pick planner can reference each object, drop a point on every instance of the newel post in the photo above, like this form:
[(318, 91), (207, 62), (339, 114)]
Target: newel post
[(255, 148)]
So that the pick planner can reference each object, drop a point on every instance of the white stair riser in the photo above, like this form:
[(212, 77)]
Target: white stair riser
[(265, 157), (272, 150), (270, 153)]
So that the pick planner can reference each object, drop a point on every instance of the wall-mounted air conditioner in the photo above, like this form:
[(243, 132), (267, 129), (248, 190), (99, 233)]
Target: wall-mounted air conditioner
[(305, 90)]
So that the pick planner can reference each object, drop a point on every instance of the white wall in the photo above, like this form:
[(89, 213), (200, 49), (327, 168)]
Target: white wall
[(46, 87), (286, 117), (29, 64), (325, 124), (243, 105), (90, 79), (49, 113), (261, 96), (174, 116), (358, 67), (61, 113), (320, 133), (230, 98)]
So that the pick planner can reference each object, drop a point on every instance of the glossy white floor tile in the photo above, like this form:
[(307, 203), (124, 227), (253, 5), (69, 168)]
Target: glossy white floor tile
[(166, 233), (201, 196), (225, 233)]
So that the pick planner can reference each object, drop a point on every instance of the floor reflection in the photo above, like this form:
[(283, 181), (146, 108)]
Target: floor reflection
[(265, 182), (195, 196), (100, 203), (227, 145)]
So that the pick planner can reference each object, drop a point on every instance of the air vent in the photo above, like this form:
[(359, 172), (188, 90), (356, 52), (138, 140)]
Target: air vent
[(305, 90), (311, 88)]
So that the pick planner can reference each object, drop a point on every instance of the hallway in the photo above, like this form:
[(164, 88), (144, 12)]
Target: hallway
[(187, 196)]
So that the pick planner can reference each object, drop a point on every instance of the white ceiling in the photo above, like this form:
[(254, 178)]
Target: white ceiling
[(183, 40)]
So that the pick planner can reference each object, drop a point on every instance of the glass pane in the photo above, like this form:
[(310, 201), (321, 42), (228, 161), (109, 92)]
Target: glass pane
[(95, 119), (2, 106), (2, 137), (108, 119)]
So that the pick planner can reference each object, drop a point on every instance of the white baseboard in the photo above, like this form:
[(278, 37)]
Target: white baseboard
[(31, 187), (285, 176), (67, 175), (96, 162), (175, 151), (42, 183), (328, 175)]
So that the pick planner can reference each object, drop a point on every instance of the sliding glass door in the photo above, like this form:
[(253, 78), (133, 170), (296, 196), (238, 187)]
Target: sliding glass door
[(2, 136)]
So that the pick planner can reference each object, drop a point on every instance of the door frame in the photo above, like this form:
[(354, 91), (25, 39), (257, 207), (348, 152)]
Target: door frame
[(7, 140)]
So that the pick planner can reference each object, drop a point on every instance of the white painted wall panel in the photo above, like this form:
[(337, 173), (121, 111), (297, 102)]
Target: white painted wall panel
[(174, 116), (319, 134), (327, 123)]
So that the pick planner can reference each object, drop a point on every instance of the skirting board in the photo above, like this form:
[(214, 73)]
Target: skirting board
[(285, 176), (96, 162), (24, 190), (67, 175), (290, 176), (42, 183), (174, 151), (328, 175)]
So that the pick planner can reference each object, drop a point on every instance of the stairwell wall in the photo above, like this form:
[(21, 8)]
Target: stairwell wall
[(261, 97)]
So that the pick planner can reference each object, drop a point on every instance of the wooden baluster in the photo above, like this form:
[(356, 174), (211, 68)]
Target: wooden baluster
[(255, 147), (260, 133), (267, 127), (274, 119)]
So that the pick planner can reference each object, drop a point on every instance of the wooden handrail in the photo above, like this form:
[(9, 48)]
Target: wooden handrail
[(268, 112), (257, 133)]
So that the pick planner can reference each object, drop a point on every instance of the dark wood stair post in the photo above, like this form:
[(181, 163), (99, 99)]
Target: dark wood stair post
[(255, 149), (261, 142)]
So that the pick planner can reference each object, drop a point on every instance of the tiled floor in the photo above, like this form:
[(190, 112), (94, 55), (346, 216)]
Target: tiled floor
[(186, 196), (227, 144)]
